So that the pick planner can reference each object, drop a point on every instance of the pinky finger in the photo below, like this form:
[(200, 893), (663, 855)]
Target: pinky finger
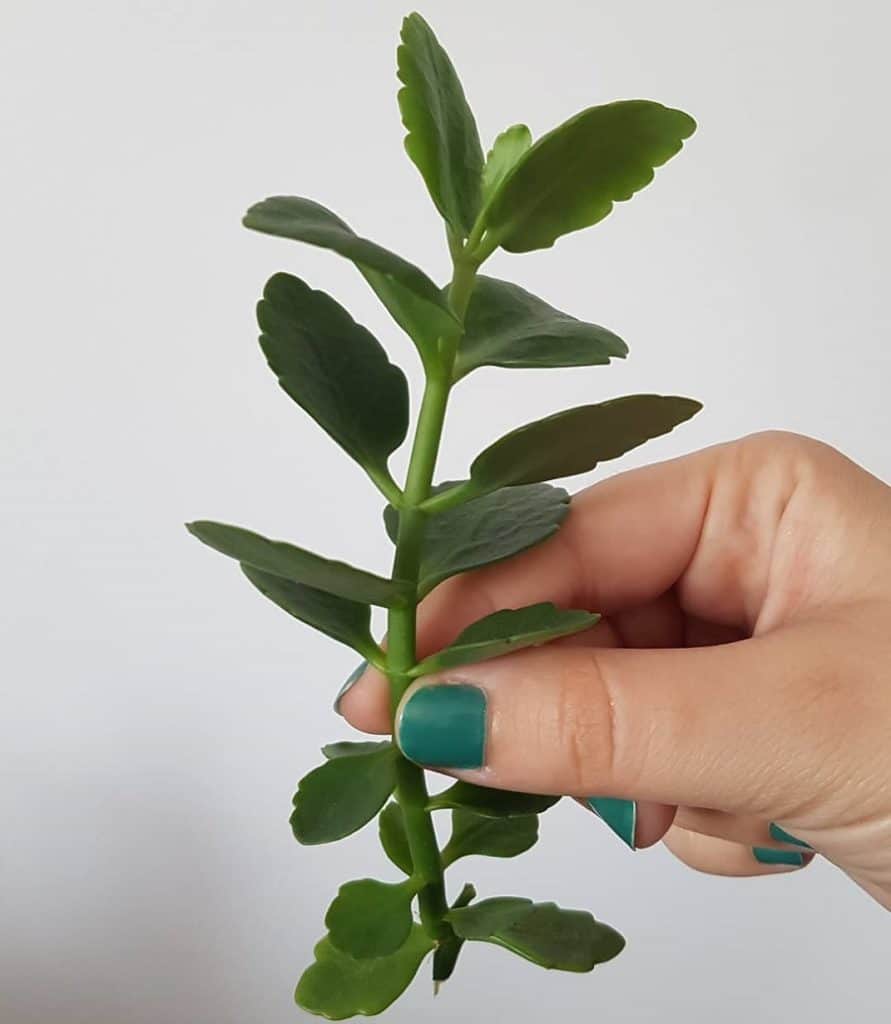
[(722, 857)]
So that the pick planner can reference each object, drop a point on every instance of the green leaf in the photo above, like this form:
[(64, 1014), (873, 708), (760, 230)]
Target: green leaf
[(442, 139), (506, 631), (369, 918), (446, 955), (485, 530), (391, 829), (413, 300), (344, 620), (346, 748), (507, 326), (507, 149), (545, 934), (576, 440), (338, 986), (491, 803), (339, 797), (571, 177), (483, 919), (334, 369), (473, 834), (301, 566)]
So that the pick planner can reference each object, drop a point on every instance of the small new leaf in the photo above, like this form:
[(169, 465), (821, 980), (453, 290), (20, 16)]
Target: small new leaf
[(576, 440), (485, 530), (545, 934), (473, 834), (506, 631), (571, 177), (448, 950), (490, 803), (391, 830), (342, 619), (339, 797), (507, 149), (442, 139), (412, 299), (300, 566), (334, 369), (369, 918), (338, 986), (508, 326)]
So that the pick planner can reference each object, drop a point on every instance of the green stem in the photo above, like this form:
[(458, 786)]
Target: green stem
[(402, 622), (386, 485), (450, 498)]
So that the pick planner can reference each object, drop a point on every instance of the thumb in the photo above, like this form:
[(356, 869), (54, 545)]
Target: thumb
[(737, 727)]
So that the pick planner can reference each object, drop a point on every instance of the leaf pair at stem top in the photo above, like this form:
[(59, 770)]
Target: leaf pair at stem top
[(525, 195)]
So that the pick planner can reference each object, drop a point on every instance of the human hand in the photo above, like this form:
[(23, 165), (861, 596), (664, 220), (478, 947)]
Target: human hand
[(736, 692)]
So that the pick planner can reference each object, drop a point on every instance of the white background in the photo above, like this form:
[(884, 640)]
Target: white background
[(156, 713)]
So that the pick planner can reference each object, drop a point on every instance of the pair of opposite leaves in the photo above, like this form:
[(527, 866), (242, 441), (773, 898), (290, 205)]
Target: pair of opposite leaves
[(525, 195), (338, 986)]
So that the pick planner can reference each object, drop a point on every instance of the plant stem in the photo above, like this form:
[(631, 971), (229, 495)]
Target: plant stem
[(402, 622)]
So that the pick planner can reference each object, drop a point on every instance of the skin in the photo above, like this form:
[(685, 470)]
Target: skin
[(741, 674)]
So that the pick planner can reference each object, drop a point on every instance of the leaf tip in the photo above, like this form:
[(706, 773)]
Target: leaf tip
[(249, 220)]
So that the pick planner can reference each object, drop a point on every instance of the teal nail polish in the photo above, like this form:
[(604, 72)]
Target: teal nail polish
[(444, 726), (765, 856), (620, 815), (782, 836), (350, 681)]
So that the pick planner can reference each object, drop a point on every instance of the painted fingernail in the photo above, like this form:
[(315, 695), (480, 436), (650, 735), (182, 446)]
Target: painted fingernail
[(766, 856), (782, 836), (349, 683), (444, 726), (620, 815)]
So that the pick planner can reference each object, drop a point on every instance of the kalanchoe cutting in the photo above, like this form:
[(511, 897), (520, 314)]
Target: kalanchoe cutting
[(522, 196)]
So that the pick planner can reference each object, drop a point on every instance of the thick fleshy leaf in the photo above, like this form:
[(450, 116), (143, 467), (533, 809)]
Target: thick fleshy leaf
[(442, 138), (576, 440), (483, 919), (508, 326), (339, 797), (370, 918), (571, 177), (338, 986), (490, 803), (485, 530), (507, 149), (347, 748), (391, 829), (545, 934), (474, 834), (413, 300), (301, 566), (446, 955), (344, 620), (506, 631), (334, 369)]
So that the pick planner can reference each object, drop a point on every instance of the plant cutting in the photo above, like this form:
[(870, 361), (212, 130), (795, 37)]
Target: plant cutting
[(521, 196)]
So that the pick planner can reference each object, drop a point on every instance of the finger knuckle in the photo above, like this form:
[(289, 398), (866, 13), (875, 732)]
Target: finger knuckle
[(798, 456), (587, 725)]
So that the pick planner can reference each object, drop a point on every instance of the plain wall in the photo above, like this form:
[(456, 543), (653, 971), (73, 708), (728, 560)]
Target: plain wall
[(155, 713)]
